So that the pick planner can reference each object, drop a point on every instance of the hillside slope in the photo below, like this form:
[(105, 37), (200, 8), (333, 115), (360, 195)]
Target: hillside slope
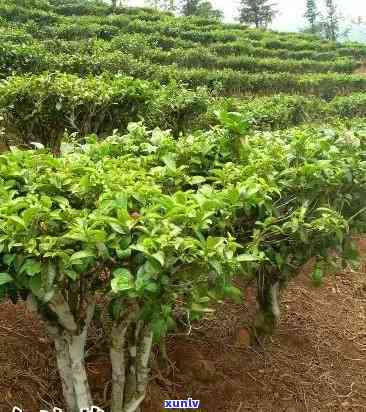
[(229, 58), (215, 61)]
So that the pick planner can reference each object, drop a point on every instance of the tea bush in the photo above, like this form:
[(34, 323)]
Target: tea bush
[(42, 108), (159, 226)]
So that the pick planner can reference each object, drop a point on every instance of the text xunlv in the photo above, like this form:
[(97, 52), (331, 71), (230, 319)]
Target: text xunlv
[(182, 404)]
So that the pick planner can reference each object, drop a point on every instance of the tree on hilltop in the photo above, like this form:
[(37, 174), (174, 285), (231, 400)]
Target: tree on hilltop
[(312, 15), (258, 12), (200, 8), (190, 7), (205, 9), (169, 5), (331, 21), (165, 5)]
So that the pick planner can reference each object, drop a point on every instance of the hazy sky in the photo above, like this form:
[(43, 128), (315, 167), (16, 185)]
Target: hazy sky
[(291, 11)]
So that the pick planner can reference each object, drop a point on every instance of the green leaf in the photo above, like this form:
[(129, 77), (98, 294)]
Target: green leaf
[(169, 161), (83, 254), (234, 293), (151, 287), (51, 274), (123, 280), (18, 220), (196, 180), (200, 308), (160, 257), (71, 274), (159, 327), (35, 285), (62, 201), (5, 278), (351, 252), (317, 276), (117, 228), (145, 275), (115, 308), (31, 267), (8, 259), (125, 242), (216, 265), (246, 257), (123, 253)]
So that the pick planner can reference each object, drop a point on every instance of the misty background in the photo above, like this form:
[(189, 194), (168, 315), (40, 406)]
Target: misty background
[(291, 12)]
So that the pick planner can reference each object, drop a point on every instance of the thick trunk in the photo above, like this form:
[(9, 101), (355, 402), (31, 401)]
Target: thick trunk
[(77, 357), (141, 369), (275, 301), (268, 298), (131, 383), (134, 404), (119, 363), (143, 358), (58, 334), (79, 378), (62, 354), (64, 366), (130, 355), (61, 308), (70, 350)]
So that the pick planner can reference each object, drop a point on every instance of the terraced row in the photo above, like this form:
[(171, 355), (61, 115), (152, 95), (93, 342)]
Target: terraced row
[(40, 108)]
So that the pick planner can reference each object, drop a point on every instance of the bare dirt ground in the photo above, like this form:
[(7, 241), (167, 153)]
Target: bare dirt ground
[(315, 362)]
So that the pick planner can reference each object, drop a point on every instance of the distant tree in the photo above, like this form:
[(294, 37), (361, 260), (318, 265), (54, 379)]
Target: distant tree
[(169, 5), (190, 7), (155, 4), (312, 15), (359, 20), (257, 12), (331, 21), (205, 9), (38, 4), (201, 8), (359, 30), (117, 3)]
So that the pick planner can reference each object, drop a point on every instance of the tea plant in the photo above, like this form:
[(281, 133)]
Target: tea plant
[(157, 227), (149, 160)]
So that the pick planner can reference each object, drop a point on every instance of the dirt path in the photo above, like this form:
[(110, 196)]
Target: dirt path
[(315, 362)]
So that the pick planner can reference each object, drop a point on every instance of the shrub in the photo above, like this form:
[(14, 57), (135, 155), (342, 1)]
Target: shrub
[(159, 226), (17, 14), (349, 106), (22, 58), (41, 108), (230, 82)]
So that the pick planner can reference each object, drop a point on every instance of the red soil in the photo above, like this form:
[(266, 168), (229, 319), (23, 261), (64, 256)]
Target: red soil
[(315, 361)]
